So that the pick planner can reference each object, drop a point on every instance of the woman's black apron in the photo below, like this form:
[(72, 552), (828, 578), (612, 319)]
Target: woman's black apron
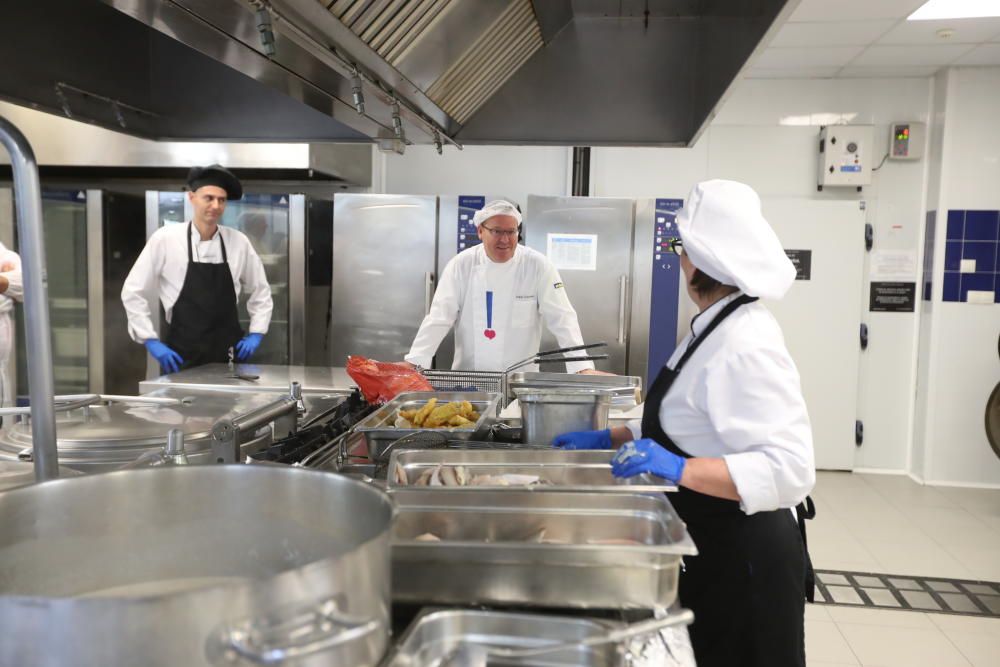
[(204, 322), (747, 585)]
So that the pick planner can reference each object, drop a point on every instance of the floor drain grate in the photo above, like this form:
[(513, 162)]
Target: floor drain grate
[(891, 591)]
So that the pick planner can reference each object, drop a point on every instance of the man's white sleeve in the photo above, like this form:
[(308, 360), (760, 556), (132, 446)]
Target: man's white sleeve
[(560, 317), (439, 321), (260, 306), (138, 285), (754, 401)]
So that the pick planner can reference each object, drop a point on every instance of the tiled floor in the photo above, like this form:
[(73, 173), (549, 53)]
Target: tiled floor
[(882, 523)]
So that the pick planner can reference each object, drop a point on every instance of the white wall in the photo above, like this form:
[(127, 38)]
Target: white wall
[(766, 135), (514, 171), (959, 364)]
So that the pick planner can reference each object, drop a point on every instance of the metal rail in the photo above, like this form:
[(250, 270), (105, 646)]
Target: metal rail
[(28, 195)]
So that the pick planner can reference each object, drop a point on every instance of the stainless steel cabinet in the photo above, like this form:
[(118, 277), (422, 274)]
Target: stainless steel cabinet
[(590, 241), (383, 273)]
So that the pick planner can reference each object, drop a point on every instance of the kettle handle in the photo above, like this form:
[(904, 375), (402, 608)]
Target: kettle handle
[(303, 633)]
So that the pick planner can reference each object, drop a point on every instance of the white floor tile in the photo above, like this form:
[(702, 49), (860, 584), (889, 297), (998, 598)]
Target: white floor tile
[(979, 649), (949, 623), (824, 643), (882, 617), (883, 646), (948, 526), (817, 612), (917, 557), (982, 563)]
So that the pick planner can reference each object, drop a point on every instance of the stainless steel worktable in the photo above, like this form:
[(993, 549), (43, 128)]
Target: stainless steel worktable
[(276, 379)]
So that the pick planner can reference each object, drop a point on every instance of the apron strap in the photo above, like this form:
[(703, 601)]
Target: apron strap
[(723, 314), (805, 511), (225, 258)]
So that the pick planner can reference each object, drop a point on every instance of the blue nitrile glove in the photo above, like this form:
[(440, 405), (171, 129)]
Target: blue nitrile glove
[(645, 455), (248, 345), (584, 440), (169, 360)]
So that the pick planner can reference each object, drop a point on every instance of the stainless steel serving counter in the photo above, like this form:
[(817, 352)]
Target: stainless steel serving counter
[(271, 379)]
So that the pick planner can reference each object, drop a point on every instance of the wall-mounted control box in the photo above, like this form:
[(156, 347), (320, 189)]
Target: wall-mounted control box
[(906, 140), (845, 156)]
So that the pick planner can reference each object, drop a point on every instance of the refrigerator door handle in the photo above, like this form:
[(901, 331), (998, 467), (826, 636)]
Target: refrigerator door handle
[(428, 292), (622, 295)]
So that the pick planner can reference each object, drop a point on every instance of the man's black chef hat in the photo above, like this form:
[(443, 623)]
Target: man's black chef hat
[(217, 175)]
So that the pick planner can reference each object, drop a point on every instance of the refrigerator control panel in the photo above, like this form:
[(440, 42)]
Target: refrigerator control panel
[(467, 207), (664, 290)]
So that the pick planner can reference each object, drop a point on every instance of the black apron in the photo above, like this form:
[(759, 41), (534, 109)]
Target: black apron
[(747, 585), (204, 323)]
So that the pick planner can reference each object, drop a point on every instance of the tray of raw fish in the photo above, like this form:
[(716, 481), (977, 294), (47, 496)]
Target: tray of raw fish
[(537, 469), (523, 547)]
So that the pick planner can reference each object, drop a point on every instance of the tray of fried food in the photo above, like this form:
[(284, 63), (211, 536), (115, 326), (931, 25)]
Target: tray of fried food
[(438, 414)]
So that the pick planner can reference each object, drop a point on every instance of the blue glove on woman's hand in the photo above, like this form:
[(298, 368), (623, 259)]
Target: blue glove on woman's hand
[(169, 360), (248, 345), (584, 440), (645, 455)]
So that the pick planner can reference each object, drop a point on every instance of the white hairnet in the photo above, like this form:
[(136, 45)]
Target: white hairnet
[(494, 208), (726, 236)]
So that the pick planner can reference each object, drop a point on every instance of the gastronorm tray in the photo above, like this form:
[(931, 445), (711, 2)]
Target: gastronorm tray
[(379, 427), (558, 470), (626, 390), (436, 633), (580, 550)]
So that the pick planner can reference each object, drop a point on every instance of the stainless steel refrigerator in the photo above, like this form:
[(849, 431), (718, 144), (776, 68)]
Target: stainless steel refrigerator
[(92, 236), (384, 269), (590, 241)]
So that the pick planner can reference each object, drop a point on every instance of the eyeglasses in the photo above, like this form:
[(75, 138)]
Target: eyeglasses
[(675, 245), (501, 233)]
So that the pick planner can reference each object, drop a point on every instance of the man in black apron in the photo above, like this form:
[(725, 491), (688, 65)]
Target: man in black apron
[(203, 319), (748, 584)]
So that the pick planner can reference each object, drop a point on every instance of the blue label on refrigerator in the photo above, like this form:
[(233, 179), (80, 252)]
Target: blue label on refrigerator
[(467, 207), (664, 290)]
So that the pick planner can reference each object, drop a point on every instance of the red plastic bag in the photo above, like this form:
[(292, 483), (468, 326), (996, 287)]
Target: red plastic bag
[(381, 381)]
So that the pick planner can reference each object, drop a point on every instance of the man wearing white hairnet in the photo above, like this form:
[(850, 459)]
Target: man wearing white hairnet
[(498, 293), (725, 420)]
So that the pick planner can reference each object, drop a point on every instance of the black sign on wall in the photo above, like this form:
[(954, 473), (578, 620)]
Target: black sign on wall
[(802, 259), (892, 297)]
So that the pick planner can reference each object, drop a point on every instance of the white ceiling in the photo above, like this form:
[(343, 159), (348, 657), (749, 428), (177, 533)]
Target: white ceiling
[(872, 38)]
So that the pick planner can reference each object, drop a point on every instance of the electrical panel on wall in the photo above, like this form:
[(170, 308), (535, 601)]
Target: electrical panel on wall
[(906, 141), (845, 156)]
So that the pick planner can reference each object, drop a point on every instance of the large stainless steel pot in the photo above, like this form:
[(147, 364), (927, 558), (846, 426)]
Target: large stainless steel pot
[(210, 565), (101, 438)]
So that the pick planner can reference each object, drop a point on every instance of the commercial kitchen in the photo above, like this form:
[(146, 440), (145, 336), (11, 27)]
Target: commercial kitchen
[(473, 244)]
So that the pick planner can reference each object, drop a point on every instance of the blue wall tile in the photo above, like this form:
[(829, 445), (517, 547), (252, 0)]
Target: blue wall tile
[(981, 225), (952, 283), (984, 252), (956, 220), (977, 281), (952, 256)]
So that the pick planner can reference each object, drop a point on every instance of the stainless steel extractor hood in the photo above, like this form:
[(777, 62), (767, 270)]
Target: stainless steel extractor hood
[(584, 72)]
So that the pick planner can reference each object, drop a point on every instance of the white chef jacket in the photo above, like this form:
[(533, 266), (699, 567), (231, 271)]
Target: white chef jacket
[(162, 265), (14, 292), (526, 289), (739, 398)]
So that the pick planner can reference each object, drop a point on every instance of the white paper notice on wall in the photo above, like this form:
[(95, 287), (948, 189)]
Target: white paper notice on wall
[(893, 265), (572, 252)]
